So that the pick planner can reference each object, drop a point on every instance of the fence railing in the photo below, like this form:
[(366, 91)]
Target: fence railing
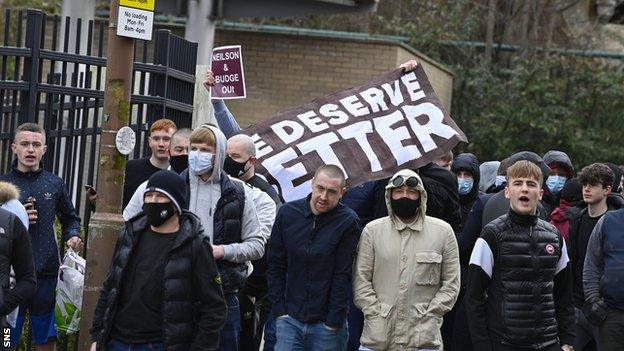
[(44, 80)]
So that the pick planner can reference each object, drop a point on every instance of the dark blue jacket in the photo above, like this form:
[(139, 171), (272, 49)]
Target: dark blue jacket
[(361, 199), (52, 201), (472, 228), (613, 259), (469, 163), (314, 253)]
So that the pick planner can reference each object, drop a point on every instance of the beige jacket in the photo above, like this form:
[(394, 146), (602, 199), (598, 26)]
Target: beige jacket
[(406, 278)]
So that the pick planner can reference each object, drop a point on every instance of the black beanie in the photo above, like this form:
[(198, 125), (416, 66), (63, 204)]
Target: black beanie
[(170, 184), (533, 158), (572, 191)]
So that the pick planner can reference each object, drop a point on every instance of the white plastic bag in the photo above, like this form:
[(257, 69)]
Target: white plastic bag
[(69, 289)]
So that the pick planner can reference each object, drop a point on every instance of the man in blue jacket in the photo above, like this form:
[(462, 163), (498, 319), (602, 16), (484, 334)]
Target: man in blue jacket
[(603, 275), (312, 246), (51, 201)]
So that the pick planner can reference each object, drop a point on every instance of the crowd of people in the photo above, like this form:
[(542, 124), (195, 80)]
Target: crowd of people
[(521, 254)]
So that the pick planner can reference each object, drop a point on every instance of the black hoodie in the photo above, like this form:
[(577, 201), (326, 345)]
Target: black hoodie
[(469, 163)]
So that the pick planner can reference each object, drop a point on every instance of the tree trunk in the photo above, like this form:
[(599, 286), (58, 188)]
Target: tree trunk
[(489, 32), (524, 28)]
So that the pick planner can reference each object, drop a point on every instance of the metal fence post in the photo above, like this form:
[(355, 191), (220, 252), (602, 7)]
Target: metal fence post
[(28, 98), (158, 82)]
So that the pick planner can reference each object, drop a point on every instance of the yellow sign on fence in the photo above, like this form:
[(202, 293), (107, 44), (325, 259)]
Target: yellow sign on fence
[(139, 4)]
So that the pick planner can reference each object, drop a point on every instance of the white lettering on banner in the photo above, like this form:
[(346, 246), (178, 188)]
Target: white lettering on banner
[(396, 98), (435, 125), (322, 145), (284, 176), (227, 78), (375, 98), (313, 123), (280, 130), (336, 116), (413, 87), (224, 56), (358, 132), (393, 137), (262, 148), (354, 106)]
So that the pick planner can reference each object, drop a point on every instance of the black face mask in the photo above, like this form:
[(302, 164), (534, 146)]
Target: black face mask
[(404, 207), (178, 163), (233, 168), (158, 212)]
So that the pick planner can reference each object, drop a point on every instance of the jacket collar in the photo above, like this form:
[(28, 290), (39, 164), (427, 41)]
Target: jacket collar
[(29, 174), (307, 209), (522, 220), (416, 225)]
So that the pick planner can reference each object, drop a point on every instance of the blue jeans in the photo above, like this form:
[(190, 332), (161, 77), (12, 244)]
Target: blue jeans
[(293, 335), (116, 345), (229, 337)]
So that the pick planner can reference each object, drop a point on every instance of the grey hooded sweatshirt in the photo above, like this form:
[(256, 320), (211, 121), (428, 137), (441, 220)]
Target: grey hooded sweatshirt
[(203, 200)]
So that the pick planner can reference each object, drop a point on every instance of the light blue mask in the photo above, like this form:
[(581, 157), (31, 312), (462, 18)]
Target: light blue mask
[(200, 162), (555, 183), (465, 185)]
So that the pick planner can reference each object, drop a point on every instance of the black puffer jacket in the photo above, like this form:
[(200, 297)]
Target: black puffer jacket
[(469, 163), (193, 307), (529, 285)]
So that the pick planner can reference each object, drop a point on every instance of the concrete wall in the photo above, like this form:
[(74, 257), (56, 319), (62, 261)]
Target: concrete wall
[(285, 70)]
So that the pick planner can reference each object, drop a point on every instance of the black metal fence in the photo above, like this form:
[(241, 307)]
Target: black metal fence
[(43, 81)]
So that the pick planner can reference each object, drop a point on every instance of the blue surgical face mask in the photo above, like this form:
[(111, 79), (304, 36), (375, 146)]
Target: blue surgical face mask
[(465, 185), (555, 183), (200, 162)]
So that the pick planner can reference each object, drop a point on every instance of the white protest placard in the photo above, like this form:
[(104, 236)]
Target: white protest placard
[(135, 23)]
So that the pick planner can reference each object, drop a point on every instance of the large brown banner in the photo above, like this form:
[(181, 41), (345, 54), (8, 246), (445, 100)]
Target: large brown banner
[(390, 123)]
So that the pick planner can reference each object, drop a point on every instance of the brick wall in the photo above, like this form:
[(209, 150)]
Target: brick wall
[(286, 70)]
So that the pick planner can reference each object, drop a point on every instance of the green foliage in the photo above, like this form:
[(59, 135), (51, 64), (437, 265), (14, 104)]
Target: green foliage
[(568, 104), (51, 7)]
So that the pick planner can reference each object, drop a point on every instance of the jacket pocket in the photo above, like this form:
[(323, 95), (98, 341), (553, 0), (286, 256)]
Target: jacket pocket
[(429, 336), (377, 328), (424, 332), (427, 270)]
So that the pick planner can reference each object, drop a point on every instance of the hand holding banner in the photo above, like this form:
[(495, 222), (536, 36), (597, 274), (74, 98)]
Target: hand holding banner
[(393, 122)]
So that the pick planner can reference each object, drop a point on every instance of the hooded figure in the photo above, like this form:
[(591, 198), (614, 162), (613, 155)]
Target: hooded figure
[(442, 200), (561, 169), (488, 171), (571, 196), (467, 195), (414, 252)]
